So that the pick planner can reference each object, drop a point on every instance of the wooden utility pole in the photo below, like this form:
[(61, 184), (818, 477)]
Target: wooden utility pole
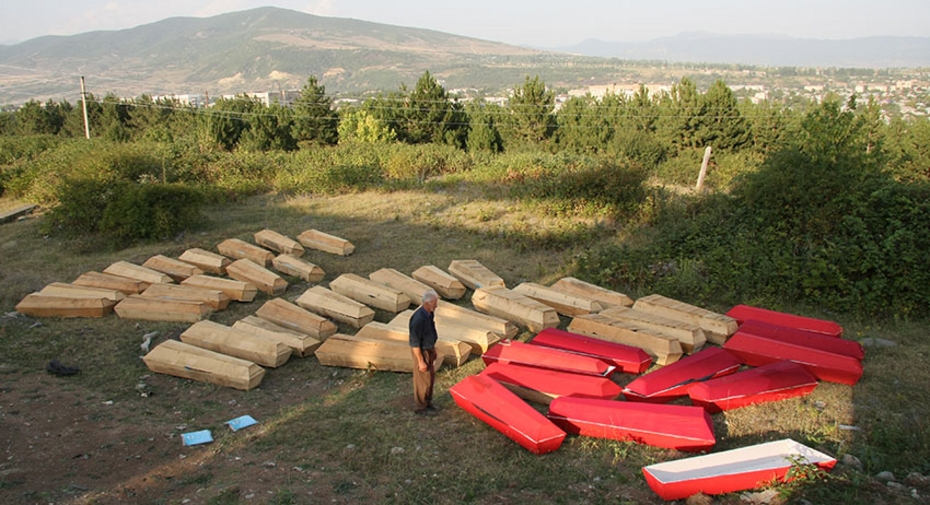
[(700, 181), (84, 104)]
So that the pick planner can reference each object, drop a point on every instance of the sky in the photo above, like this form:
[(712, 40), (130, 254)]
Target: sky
[(535, 23)]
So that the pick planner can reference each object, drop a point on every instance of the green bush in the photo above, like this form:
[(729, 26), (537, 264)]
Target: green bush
[(421, 161), (14, 148)]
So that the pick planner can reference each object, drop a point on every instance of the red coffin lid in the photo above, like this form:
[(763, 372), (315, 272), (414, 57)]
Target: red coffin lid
[(625, 358), (553, 383), (512, 351), (675, 379), (775, 381), (743, 313), (754, 350), (804, 337)]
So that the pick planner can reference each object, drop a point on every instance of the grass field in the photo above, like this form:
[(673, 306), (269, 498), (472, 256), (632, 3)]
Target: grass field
[(330, 435)]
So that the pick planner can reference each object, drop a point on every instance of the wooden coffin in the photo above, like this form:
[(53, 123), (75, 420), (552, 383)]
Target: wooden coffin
[(605, 297), (301, 344), (460, 316), (370, 293), (474, 275), (217, 300), (663, 348), (137, 272), (236, 290), (43, 305), (504, 411), (110, 281), (368, 354), (678, 427), (393, 279), (446, 285), (674, 380), (76, 290), (265, 280), (296, 267), (241, 344), (8, 216), (324, 302), (717, 327), (542, 385), (480, 340), (238, 249), (519, 353), (775, 381), (690, 335), (805, 338), (563, 303), (315, 239), (743, 313), (275, 241), (515, 307), (191, 362), (625, 358), (147, 308), (207, 261), (756, 350), (456, 352), (740, 469), (176, 269), (288, 315)]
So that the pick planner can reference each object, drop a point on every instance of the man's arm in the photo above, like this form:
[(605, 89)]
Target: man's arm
[(421, 363)]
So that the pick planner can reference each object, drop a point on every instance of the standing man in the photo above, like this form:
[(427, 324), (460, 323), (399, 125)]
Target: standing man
[(423, 338)]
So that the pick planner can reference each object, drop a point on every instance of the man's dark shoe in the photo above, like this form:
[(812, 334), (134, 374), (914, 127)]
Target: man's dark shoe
[(433, 408), (56, 368), (425, 412)]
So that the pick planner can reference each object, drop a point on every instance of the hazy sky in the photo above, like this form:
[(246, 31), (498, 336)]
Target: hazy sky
[(540, 23)]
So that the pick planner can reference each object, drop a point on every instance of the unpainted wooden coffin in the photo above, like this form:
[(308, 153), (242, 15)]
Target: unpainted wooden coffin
[(663, 348), (296, 267), (625, 358), (690, 335), (456, 352), (217, 300), (265, 280), (137, 272), (446, 285), (110, 281), (191, 362), (233, 342), (743, 313), (775, 381), (396, 280), (44, 305), (717, 327), (480, 340), (515, 307), (674, 380), (325, 302), (500, 408), (238, 249), (457, 315), (604, 296), (519, 353), (207, 261), (176, 269), (541, 385), (368, 354), (315, 239), (563, 303), (65, 289), (474, 275), (239, 291), (278, 242), (679, 427), (370, 293), (148, 308), (301, 344), (285, 313)]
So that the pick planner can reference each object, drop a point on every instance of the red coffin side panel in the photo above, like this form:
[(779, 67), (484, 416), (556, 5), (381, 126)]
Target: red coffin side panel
[(512, 351), (743, 313), (715, 485), (626, 358), (806, 338), (552, 382), (772, 382), (677, 427), (674, 380), (494, 404), (754, 350)]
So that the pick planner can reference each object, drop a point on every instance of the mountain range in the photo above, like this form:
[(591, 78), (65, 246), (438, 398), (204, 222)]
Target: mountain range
[(270, 49)]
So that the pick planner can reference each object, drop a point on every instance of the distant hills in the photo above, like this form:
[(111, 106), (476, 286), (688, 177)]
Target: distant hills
[(271, 49)]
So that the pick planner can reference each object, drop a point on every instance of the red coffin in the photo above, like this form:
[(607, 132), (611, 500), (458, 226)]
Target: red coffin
[(806, 338), (743, 313), (674, 380), (730, 471), (543, 385), (755, 350), (494, 404), (768, 383), (512, 351), (670, 426), (626, 358)]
